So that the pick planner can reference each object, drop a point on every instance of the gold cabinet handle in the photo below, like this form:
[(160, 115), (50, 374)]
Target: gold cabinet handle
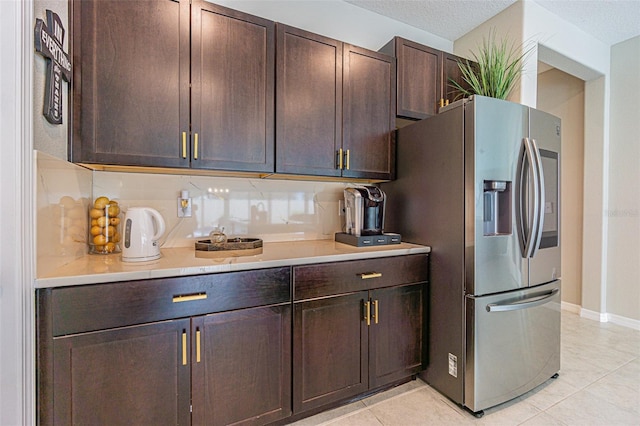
[(340, 159), (366, 276), (184, 347), (348, 159), (184, 144), (195, 146), (375, 311), (197, 344), (189, 297), (367, 312)]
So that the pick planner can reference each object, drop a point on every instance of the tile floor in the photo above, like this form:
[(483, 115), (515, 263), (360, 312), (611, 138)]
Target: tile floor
[(599, 384)]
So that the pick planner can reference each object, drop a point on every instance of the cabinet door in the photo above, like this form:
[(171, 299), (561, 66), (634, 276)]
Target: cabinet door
[(368, 113), (419, 79), (451, 71), (125, 376), (308, 102), (242, 366), (232, 104), (130, 82), (329, 350), (396, 334)]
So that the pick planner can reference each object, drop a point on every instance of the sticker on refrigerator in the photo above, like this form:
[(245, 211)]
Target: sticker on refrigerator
[(453, 365)]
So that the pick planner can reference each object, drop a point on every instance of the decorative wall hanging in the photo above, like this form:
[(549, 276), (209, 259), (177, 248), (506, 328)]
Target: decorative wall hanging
[(48, 42)]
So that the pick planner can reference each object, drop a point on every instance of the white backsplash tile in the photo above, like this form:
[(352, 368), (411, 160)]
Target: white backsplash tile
[(62, 193), (274, 210)]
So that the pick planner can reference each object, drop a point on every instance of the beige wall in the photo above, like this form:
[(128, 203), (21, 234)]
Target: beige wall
[(623, 210), (562, 95)]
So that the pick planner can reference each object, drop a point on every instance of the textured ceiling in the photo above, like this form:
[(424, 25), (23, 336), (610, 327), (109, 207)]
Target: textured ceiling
[(610, 21)]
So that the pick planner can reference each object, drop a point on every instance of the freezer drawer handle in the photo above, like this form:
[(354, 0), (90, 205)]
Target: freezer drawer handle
[(523, 304)]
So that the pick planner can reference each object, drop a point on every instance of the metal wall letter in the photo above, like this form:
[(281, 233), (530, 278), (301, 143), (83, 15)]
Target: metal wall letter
[(48, 42)]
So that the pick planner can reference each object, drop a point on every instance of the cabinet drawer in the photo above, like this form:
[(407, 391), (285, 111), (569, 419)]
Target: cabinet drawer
[(101, 306), (326, 279)]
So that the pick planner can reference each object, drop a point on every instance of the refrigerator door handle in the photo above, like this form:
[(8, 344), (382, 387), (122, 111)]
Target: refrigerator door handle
[(539, 194), (528, 231), (522, 304)]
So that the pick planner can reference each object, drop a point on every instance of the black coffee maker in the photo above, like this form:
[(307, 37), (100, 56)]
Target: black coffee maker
[(364, 210)]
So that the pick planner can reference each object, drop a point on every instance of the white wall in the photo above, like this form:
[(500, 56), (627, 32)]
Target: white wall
[(338, 20), (623, 213), (16, 295)]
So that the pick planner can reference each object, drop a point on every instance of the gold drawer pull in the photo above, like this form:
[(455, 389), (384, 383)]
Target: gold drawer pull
[(375, 311), (340, 159), (189, 297), (197, 344), (184, 144), (184, 347), (367, 312), (368, 275)]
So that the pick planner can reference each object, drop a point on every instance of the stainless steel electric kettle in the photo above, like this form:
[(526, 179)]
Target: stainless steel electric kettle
[(143, 227)]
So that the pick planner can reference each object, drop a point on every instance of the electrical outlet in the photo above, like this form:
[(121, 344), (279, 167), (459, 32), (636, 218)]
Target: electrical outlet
[(184, 207)]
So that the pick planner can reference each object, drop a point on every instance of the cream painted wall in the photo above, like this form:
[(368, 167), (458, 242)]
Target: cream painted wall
[(623, 213), (562, 95)]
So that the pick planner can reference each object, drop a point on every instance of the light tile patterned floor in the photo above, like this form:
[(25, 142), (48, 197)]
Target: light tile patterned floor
[(599, 384)]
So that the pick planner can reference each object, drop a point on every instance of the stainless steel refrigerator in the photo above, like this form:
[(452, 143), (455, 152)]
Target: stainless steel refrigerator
[(479, 183)]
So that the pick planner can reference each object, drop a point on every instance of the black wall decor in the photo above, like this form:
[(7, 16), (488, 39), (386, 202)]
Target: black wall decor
[(48, 42)]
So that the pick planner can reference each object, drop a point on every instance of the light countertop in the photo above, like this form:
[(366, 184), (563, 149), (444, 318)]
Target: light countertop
[(92, 269)]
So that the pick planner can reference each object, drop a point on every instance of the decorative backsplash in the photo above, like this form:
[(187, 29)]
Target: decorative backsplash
[(274, 210)]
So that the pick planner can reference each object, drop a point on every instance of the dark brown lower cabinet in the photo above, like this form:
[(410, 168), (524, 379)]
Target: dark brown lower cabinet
[(124, 376), (235, 366), (396, 334), (241, 366), (204, 350), (330, 351), (349, 343)]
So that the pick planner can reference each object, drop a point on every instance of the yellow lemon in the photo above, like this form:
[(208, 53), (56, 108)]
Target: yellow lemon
[(99, 240), (100, 202), (96, 213), (113, 210)]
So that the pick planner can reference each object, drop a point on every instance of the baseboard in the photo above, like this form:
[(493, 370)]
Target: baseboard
[(574, 309), (624, 321), (602, 317), (593, 315)]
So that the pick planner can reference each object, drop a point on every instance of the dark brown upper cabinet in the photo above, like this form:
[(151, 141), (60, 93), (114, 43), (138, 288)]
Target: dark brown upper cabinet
[(308, 102), (368, 114), (334, 108), (132, 100), (130, 82), (423, 78), (232, 74)]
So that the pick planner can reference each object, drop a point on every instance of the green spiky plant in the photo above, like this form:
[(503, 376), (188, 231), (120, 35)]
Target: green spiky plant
[(497, 69)]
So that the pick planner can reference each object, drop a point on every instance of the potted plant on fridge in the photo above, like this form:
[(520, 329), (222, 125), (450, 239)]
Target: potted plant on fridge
[(496, 70)]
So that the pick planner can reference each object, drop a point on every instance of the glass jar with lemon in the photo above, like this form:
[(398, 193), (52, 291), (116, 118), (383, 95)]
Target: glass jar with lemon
[(104, 226)]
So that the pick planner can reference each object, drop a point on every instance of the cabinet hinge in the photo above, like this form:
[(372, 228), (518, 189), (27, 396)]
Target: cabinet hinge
[(191, 408)]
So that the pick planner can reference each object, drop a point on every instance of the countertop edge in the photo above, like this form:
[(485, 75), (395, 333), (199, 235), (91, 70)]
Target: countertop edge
[(157, 269)]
